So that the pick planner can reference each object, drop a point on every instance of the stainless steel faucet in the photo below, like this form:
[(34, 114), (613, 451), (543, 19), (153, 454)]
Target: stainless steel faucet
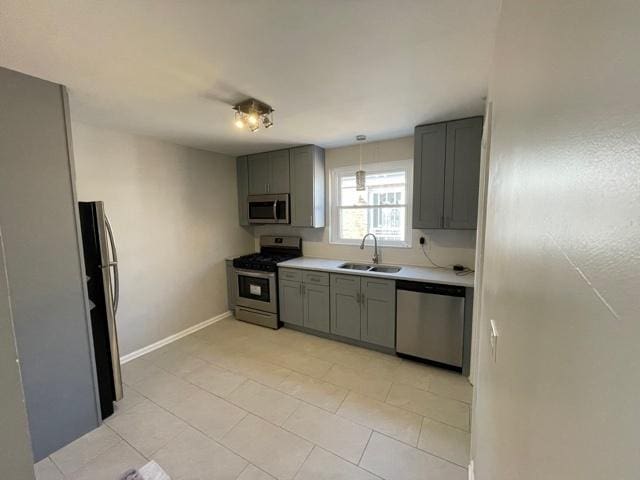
[(375, 246)]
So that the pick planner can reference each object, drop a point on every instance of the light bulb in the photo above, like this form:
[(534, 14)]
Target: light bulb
[(239, 123), (253, 119)]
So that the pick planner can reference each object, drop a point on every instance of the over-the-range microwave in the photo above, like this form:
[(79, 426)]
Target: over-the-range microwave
[(268, 208)]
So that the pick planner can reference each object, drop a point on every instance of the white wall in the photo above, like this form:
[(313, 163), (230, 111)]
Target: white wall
[(174, 215), (562, 264), (444, 247)]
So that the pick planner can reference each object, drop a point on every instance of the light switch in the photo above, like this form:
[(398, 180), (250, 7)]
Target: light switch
[(493, 339)]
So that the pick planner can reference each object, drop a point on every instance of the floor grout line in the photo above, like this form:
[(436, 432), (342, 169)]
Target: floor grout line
[(365, 448)]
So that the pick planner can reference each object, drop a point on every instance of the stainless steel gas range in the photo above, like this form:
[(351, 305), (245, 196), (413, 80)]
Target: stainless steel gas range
[(256, 279)]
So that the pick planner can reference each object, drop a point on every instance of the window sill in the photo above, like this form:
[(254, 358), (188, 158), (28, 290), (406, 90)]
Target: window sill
[(380, 244)]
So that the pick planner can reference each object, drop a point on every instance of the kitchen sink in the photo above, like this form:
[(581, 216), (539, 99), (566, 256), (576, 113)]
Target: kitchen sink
[(355, 266), (371, 268), (385, 269)]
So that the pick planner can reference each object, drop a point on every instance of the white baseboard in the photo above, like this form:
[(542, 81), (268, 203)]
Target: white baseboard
[(172, 338), (471, 473)]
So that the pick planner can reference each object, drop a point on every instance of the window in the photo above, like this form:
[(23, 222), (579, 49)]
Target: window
[(382, 209)]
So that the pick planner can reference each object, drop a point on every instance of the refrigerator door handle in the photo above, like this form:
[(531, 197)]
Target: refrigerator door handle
[(114, 264)]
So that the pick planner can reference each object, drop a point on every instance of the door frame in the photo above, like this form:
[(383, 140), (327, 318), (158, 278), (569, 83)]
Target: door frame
[(480, 241)]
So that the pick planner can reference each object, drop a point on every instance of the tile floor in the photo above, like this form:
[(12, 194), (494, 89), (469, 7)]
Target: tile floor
[(237, 401)]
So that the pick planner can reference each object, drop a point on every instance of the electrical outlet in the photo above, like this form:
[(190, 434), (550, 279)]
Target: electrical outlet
[(493, 340)]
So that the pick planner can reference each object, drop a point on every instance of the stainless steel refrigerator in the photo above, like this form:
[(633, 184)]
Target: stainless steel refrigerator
[(101, 273)]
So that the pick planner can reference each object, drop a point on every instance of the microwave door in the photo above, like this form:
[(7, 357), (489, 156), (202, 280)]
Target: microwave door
[(269, 209), (263, 211)]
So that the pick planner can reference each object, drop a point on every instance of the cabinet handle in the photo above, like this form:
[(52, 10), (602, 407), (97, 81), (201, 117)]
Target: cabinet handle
[(304, 290), (311, 220), (300, 289)]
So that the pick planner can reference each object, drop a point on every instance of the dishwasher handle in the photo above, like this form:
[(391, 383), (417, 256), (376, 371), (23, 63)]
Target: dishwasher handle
[(433, 288)]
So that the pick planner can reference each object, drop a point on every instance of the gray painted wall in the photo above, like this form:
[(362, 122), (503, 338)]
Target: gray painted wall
[(16, 459), (174, 214), (561, 270), (38, 214)]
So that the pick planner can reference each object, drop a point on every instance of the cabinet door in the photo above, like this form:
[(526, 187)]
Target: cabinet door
[(278, 172), (291, 305), (307, 186), (316, 307), (242, 174), (301, 187), (231, 290), (345, 305), (378, 314), (259, 171), (428, 175), (462, 173)]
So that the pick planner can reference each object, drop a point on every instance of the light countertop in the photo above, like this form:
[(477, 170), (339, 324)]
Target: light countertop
[(407, 272)]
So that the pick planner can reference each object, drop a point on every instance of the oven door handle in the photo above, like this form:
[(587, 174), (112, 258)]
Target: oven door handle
[(275, 209), (254, 274)]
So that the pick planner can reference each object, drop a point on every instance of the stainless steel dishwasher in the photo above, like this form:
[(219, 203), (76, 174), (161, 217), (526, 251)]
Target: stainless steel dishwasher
[(430, 322)]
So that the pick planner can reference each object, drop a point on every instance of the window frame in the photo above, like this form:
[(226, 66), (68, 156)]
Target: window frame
[(378, 167)]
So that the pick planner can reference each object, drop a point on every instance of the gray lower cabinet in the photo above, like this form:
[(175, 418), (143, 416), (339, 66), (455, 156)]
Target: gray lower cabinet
[(378, 312), (345, 305), (446, 174), (291, 302), (231, 287), (316, 307), (352, 306), (364, 308)]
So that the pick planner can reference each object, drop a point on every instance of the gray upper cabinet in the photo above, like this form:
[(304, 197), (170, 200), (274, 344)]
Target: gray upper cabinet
[(428, 176), (279, 171), (307, 186), (462, 173), (378, 313), (345, 305), (242, 173), (316, 307), (259, 172), (446, 174), (269, 172), (291, 302)]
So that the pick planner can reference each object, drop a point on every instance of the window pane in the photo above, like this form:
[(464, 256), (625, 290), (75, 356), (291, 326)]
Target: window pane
[(353, 223), (387, 223), (382, 188)]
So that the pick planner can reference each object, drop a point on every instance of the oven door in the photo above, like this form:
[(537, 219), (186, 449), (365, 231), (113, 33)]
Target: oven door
[(256, 290), (268, 208)]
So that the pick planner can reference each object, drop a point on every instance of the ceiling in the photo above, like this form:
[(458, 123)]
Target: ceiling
[(331, 69)]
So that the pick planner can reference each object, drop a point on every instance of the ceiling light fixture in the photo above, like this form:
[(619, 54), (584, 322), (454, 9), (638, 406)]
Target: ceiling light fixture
[(361, 174), (251, 113)]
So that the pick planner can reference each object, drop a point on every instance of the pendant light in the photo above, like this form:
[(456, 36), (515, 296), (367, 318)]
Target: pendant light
[(361, 174)]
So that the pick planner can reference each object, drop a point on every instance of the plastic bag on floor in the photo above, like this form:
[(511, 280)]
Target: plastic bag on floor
[(151, 471)]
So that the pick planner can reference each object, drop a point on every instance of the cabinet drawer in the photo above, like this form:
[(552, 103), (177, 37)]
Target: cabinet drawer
[(316, 278), (290, 274)]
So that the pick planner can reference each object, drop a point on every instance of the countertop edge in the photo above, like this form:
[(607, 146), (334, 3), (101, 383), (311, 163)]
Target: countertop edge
[(424, 274)]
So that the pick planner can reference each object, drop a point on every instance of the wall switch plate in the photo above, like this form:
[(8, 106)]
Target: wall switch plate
[(493, 340)]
